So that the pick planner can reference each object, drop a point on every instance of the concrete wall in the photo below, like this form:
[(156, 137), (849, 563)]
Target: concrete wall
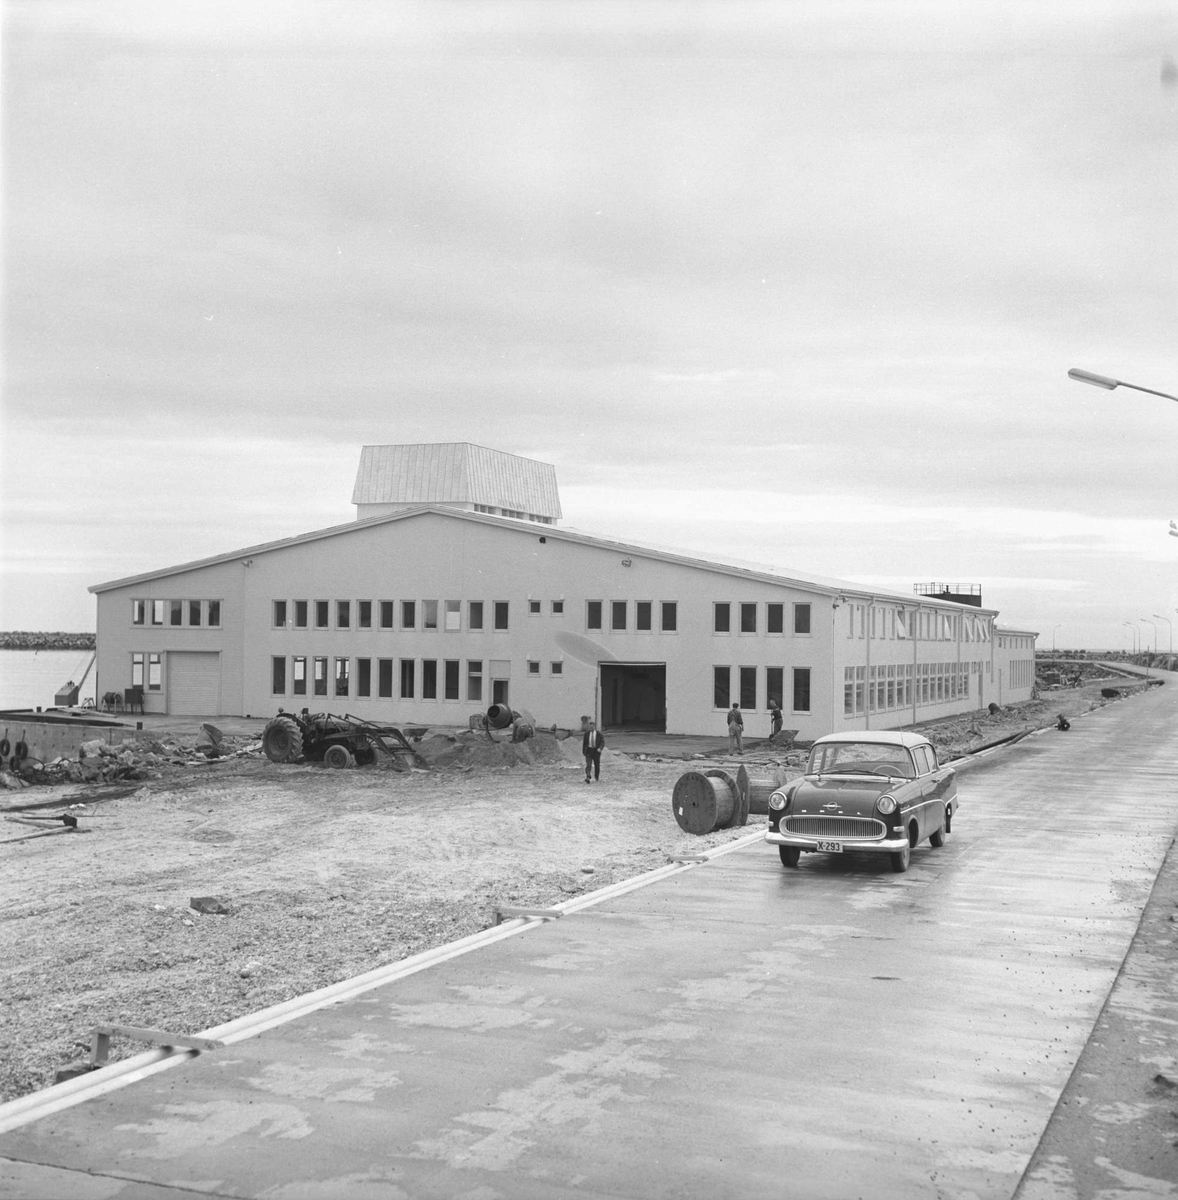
[(434, 556)]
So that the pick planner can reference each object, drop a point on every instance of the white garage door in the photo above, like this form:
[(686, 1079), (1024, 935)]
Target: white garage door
[(194, 684)]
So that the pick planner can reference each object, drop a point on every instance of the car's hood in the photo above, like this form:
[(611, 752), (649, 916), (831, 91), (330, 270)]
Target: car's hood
[(840, 795)]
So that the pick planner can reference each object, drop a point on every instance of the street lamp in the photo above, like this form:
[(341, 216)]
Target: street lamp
[(1103, 381), (1135, 632), (1053, 629), (1147, 621), (1171, 625)]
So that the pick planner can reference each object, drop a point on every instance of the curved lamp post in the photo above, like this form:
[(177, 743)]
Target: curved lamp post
[(1103, 381), (1171, 625), (1135, 632), (1147, 621), (1053, 629)]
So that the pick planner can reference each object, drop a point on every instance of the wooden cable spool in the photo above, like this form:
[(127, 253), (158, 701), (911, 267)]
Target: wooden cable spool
[(704, 801)]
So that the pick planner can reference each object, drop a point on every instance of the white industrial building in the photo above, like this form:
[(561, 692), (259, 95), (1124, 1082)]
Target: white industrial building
[(456, 588)]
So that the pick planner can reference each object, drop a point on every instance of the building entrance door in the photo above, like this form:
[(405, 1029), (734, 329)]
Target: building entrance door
[(634, 696)]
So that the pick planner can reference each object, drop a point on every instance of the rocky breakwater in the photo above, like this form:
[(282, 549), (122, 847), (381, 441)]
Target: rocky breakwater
[(36, 640)]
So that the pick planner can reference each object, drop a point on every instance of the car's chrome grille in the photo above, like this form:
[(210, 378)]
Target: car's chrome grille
[(838, 828)]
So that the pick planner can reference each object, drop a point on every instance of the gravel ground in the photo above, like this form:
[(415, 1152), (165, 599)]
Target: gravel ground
[(325, 875)]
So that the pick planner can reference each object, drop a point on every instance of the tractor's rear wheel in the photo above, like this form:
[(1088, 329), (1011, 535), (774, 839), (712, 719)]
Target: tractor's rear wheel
[(282, 740)]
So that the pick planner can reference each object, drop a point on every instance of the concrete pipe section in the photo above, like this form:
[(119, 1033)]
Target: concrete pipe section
[(732, 1029)]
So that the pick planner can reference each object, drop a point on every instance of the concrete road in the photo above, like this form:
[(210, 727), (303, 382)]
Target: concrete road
[(734, 1029)]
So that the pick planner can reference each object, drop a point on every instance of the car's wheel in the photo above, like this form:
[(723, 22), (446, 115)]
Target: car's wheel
[(282, 740), (337, 756), (936, 838), (900, 859), (789, 855)]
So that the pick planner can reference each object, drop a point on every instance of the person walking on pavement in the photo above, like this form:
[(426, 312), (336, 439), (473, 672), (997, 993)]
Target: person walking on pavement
[(735, 730), (592, 743)]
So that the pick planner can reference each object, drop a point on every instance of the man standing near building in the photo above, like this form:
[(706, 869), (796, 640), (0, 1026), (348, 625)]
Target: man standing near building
[(592, 743), (735, 730)]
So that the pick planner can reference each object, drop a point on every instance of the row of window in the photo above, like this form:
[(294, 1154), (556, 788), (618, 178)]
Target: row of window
[(394, 614), (900, 685), (747, 616), (405, 678), (889, 622), (191, 614), (748, 692), (518, 514)]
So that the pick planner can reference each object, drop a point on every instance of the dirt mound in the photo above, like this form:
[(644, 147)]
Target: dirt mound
[(472, 750)]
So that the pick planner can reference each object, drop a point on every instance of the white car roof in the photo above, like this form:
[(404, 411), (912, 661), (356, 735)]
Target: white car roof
[(883, 737)]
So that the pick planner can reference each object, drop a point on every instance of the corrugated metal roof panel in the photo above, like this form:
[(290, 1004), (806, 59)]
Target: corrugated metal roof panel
[(455, 473)]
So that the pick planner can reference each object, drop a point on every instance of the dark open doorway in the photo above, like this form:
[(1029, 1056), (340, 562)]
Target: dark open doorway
[(634, 696)]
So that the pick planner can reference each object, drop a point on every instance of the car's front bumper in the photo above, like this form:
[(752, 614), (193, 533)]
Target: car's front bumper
[(884, 845)]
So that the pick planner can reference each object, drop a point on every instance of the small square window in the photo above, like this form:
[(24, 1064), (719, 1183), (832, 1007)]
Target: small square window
[(533, 667), (534, 607), (557, 668), (557, 607)]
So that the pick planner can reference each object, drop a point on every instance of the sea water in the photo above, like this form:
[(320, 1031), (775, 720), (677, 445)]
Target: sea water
[(31, 678)]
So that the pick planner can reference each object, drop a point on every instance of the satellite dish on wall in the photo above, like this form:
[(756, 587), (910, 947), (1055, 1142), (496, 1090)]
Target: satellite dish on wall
[(583, 649)]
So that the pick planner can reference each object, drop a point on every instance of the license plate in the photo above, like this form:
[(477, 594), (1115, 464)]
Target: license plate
[(831, 847)]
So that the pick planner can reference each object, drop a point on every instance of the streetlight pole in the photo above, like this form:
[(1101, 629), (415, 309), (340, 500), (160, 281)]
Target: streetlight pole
[(1103, 381), (1171, 625), (1147, 621), (1053, 629), (1135, 632)]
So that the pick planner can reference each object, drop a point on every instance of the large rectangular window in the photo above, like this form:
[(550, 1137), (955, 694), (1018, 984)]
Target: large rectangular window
[(322, 614), (501, 607), (453, 614), (157, 612), (670, 616), (319, 676), (474, 680), (721, 687), (408, 614), (278, 676), (363, 614), (175, 612), (429, 678), (618, 614), (386, 614), (155, 672), (775, 618), (215, 614), (451, 674), (801, 689), (408, 666), (343, 614), (138, 662), (138, 613), (298, 676), (363, 677), (642, 615), (384, 678), (193, 612), (748, 618), (722, 618), (429, 614), (279, 614), (801, 618), (774, 685), (342, 679), (300, 614), (474, 614), (593, 614), (748, 688)]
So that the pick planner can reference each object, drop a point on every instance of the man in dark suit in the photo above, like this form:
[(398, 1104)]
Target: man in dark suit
[(592, 744)]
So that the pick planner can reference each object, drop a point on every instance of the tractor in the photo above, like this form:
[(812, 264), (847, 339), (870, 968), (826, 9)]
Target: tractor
[(335, 741)]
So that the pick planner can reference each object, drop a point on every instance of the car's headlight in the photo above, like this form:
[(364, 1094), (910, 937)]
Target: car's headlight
[(777, 801), (886, 804)]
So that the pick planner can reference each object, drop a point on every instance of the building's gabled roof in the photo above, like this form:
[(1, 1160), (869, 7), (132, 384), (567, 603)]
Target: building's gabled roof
[(456, 473), (765, 574)]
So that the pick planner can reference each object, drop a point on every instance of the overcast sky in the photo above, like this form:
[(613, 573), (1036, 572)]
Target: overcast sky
[(795, 282)]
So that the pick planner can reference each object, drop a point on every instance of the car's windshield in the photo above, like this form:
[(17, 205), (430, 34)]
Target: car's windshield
[(861, 758)]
